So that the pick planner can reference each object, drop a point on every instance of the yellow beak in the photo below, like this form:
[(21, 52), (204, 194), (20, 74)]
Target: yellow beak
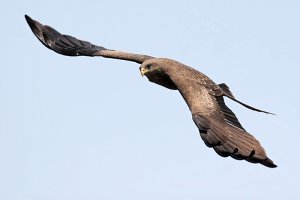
[(143, 71)]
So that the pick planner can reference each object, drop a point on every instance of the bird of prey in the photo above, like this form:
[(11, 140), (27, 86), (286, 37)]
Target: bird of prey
[(218, 126)]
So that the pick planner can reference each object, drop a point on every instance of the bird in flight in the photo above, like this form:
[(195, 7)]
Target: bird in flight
[(218, 126)]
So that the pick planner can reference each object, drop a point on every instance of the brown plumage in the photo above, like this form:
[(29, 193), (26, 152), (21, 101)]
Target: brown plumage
[(218, 126)]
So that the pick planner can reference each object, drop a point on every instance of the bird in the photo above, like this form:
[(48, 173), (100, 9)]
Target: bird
[(218, 126)]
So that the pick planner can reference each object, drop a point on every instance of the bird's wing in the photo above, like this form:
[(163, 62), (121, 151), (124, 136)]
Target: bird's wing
[(71, 46), (221, 130), (218, 125)]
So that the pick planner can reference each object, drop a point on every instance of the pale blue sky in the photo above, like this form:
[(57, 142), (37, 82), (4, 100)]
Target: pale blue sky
[(93, 128)]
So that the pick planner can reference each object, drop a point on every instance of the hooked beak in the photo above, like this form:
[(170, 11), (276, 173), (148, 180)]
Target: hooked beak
[(143, 71)]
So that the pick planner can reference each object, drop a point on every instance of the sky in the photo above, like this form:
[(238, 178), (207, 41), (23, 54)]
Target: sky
[(93, 128)]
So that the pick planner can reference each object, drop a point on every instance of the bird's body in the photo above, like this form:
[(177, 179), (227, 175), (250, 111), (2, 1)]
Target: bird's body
[(193, 85), (218, 126)]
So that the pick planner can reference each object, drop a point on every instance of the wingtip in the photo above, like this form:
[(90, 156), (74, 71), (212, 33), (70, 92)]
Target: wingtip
[(268, 163), (36, 27), (28, 19)]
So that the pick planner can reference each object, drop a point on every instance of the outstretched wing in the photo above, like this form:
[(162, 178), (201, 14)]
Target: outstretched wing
[(218, 125), (222, 131), (71, 46)]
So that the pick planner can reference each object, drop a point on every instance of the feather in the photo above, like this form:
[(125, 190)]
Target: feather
[(70, 46)]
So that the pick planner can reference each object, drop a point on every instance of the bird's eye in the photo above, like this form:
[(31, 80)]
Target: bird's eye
[(148, 66)]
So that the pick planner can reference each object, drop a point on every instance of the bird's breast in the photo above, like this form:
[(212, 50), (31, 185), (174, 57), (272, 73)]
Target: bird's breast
[(162, 79)]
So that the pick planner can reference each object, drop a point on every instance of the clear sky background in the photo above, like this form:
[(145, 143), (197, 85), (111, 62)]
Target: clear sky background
[(93, 128)]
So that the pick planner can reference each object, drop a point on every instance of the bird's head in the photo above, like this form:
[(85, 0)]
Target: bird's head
[(157, 71), (150, 67)]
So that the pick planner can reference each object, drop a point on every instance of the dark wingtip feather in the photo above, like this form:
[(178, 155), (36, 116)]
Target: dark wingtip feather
[(32, 24), (38, 30), (27, 18), (268, 163), (60, 43)]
